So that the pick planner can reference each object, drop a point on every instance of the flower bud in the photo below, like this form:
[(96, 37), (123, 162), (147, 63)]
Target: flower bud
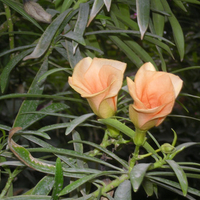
[(167, 148), (36, 11), (113, 132)]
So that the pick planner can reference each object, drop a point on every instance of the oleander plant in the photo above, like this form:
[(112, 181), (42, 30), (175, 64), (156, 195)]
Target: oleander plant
[(99, 99)]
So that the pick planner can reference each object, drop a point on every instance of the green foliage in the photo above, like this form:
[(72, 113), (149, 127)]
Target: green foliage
[(61, 146)]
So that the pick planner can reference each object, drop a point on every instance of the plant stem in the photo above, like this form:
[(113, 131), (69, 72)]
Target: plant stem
[(134, 158), (10, 26), (105, 142), (148, 154), (9, 182), (115, 183)]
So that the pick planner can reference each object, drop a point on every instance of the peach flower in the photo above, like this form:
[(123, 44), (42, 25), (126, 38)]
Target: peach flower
[(154, 94), (99, 81)]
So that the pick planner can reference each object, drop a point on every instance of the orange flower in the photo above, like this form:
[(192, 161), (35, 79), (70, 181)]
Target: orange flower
[(99, 80), (154, 94)]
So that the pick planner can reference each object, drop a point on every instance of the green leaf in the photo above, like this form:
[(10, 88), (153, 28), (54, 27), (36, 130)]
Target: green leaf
[(96, 7), (66, 5), (75, 37), (31, 105), (127, 21), (137, 175), (136, 33), (17, 49), (81, 23), (158, 19), (80, 26), (140, 51), (38, 133), (180, 175), (74, 123), (62, 51), (44, 186), (25, 156), (186, 145), (47, 37), (171, 185), (58, 180), (49, 72), (28, 197), (107, 4), (12, 163), (127, 50), (123, 192), (39, 96), (18, 8), (159, 43), (8, 68), (114, 156), (177, 30), (143, 14), (180, 5), (192, 1), (50, 149), (74, 185), (78, 147), (119, 126), (72, 58), (148, 187), (77, 184)]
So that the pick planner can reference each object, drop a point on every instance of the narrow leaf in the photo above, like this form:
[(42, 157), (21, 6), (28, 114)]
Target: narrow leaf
[(81, 181), (58, 180), (16, 49), (74, 123), (180, 5), (148, 187), (47, 37), (49, 72), (180, 175), (78, 147), (158, 19), (44, 186), (143, 14), (97, 5), (50, 149), (24, 155), (31, 105), (123, 192), (192, 1), (8, 68), (28, 197), (73, 58), (177, 30), (137, 175), (109, 153), (119, 126), (171, 185), (107, 4), (81, 23), (127, 50)]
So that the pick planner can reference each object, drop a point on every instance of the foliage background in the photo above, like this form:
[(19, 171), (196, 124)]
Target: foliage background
[(165, 33)]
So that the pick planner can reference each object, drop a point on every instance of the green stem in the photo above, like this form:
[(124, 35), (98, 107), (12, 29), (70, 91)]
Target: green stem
[(148, 154), (9, 182), (140, 136), (115, 183), (4, 26), (105, 142), (10, 26), (134, 158)]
